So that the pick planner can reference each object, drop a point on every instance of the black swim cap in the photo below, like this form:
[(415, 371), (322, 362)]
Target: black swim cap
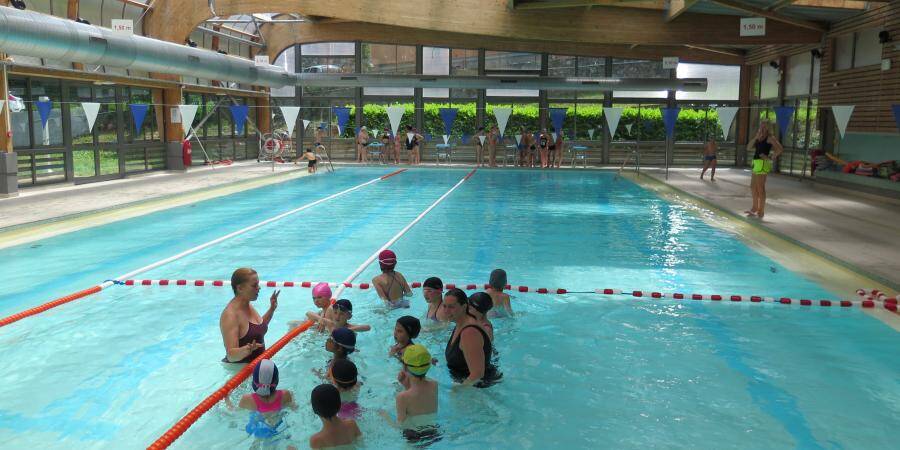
[(344, 373), (481, 301), (411, 325), (434, 283), (326, 400)]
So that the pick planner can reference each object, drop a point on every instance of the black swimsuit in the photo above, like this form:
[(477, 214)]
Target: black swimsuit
[(255, 332), (762, 148), (456, 360)]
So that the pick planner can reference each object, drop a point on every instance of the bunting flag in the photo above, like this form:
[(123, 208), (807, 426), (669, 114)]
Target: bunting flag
[(239, 115), (465, 139), (897, 115), (138, 113), (726, 117), (448, 115), (554, 136), (612, 119), (343, 116), (90, 111), (409, 137), (482, 138), (290, 114), (783, 115), (557, 117), (305, 124), (502, 115), (427, 137), (628, 127), (187, 117), (395, 113), (842, 115), (44, 107), (670, 117), (446, 139), (518, 139), (591, 133)]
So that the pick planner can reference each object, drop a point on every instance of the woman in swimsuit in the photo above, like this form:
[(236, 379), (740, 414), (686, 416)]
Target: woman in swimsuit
[(544, 145), (762, 143), (243, 330), (468, 352)]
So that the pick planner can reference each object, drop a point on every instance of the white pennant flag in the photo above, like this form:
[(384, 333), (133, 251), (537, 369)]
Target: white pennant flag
[(502, 115), (842, 115), (446, 139), (591, 133), (290, 114), (375, 133), (726, 117), (554, 136), (518, 139), (187, 117), (395, 113), (90, 111), (482, 138), (628, 127), (409, 137), (305, 124), (612, 119)]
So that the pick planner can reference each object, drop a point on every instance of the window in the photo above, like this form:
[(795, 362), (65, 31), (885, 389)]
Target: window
[(329, 57), (511, 61), (45, 89), (388, 59), (843, 52), (632, 68), (286, 61), (769, 82), (798, 74), (857, 49), (436, 61), (723, 81), (464, 62)]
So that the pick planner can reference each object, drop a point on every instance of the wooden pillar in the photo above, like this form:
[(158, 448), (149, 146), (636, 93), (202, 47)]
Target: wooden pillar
[(72, 13), (9, 167), (6, 142), (264, 114), (741, 131), (172, 133)]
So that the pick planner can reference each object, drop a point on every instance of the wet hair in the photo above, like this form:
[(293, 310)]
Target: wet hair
[(497, 279), (411, 325), (458, 294), (481, 302), (326, 401), (344, 373), (241, 276)]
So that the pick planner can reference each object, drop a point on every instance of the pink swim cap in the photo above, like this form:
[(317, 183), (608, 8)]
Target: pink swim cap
[(322, 290), (387, 260)]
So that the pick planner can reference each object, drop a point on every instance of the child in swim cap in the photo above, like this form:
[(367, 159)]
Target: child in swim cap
[(433, 291), (326, 403), (341, 312), (406, 329), (496, 285), (266, 402), (343, 375), (391, 285), (421, 394)]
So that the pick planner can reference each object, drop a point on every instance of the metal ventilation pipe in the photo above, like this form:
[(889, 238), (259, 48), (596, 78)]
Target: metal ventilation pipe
[(34, 34)]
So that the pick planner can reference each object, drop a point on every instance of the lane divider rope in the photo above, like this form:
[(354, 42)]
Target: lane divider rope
[(868, 298), (194, 415), (94, 289)]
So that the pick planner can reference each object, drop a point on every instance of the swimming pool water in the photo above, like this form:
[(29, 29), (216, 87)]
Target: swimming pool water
[(115, 370)]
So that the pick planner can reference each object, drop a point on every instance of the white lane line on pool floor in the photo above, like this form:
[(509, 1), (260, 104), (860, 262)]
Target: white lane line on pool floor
[(194, 415), (97, 288)]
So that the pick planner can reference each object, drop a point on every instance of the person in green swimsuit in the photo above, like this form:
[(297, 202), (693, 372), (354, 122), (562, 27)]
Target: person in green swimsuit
[(766, 150)]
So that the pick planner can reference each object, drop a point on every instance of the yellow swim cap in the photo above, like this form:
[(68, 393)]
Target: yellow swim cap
[(417, 359)]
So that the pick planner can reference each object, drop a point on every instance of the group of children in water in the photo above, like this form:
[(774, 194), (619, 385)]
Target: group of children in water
[(335, 402)]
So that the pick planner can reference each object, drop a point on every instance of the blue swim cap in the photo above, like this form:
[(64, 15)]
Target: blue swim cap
[(345, 338)]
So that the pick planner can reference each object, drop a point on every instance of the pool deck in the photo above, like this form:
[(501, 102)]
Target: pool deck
[(45, 211), (858, 229)]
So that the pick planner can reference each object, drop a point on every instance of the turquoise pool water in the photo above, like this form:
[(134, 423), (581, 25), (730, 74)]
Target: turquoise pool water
[(115, 370)]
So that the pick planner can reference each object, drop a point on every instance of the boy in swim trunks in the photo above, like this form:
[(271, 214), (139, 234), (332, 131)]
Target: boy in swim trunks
[(391, 285), (420, 398), (709, 158), (326, 403), (311, 160)]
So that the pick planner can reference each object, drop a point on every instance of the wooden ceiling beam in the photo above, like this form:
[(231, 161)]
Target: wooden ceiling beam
[(743, 7), (678, 7), (642, 4), (827, 4)]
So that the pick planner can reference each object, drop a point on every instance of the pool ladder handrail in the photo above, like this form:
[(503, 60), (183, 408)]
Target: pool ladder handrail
[(637, 162)]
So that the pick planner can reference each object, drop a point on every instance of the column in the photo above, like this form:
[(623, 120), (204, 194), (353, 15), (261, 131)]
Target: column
[(743, 118), (173, 132), (9, 183)]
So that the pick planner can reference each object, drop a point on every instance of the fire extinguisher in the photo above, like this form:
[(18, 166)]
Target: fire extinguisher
[(186, 153)]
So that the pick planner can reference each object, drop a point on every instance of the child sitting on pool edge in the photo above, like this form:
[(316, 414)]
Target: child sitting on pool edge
[(266, 402), (391, 285), (341, 311), (326, 403), (343, 375)]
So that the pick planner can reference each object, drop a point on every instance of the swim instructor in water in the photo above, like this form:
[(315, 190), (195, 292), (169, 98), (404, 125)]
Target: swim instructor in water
[(243, 330)]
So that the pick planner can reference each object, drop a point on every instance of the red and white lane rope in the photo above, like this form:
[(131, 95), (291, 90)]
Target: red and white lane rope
[(868, 298), (194, 415), (94, 289)]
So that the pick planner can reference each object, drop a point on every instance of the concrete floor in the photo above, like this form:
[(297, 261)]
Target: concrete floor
[(858, 229)]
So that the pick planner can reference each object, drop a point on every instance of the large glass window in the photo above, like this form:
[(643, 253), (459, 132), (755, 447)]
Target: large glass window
[(388, 59), (769, 83), (330, 57), (798, 74), (436, 61), (286, 61), (843, 51), (464, 62), (511, 61), (632, 68), (723, 82), (149, 128), (868, 48), (45, 89)]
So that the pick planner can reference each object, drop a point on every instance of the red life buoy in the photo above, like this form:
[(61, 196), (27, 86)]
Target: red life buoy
[(186, 153)]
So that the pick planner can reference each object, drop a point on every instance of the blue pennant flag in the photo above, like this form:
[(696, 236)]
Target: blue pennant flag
[(427, 137), (343, 116), (897, 115), (449, 116), (239, 114), (465, 139), (783, 115), (138, 112), (44, 107), (670, 116), (557, 117)]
